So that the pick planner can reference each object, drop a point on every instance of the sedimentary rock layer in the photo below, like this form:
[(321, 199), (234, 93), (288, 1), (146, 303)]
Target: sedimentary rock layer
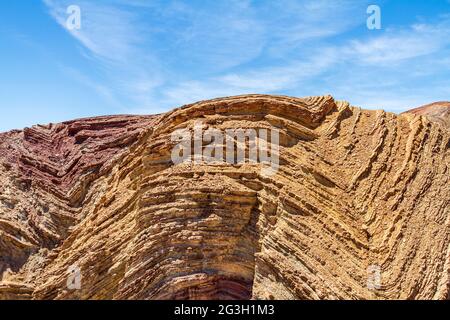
[(437, 111), (355, 191)]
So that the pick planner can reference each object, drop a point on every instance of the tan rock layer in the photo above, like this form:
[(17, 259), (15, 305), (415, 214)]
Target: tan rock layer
[(355, 189)]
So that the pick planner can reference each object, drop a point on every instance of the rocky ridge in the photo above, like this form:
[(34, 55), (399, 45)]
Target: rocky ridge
[(356, 190), (437, 111)]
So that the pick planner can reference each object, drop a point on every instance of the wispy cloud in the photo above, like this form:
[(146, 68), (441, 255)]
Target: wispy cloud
[(112, 36), (187, 49), (378, 72), (107, 32), (160, 54), (396, 45), (100, 89)]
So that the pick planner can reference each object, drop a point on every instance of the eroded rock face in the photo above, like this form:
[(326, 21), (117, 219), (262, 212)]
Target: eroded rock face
[(438, 112), (356, 191)]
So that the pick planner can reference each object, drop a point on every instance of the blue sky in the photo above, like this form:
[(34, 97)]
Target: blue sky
[(145, 57)]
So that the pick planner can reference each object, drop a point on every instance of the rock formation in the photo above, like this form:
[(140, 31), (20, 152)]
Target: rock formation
[(357, 193), (438, 111)]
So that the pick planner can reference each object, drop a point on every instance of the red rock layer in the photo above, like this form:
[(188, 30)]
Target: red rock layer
[(45, 173)]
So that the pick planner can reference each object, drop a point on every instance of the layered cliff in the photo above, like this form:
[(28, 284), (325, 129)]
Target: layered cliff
[(356, 192)]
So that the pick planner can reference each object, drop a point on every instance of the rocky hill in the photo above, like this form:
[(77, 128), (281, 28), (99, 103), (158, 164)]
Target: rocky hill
[(438, 111), (358, 208)]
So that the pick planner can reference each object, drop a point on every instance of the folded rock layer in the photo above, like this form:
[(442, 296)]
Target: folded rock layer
[(357, 193)]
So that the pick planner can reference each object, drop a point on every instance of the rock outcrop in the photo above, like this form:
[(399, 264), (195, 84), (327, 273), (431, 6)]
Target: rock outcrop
[(437, 111), (357, 193)]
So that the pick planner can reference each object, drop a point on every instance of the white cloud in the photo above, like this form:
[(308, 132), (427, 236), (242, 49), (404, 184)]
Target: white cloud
[(397, 45)]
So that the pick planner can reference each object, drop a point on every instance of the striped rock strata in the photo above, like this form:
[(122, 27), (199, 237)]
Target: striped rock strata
[(356, 191), (438, 111)]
